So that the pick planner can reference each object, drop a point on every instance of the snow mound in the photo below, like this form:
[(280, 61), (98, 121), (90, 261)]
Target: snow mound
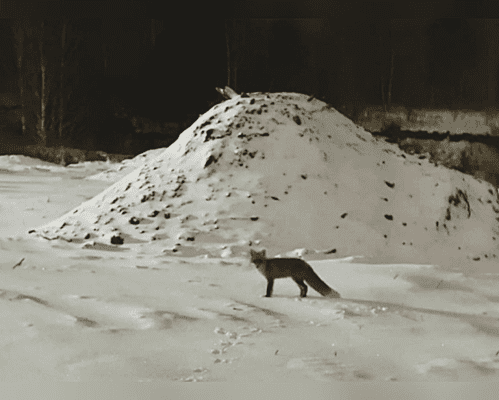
[(286, 171)]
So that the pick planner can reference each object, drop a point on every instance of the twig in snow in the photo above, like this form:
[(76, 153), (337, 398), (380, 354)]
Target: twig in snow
[(18, 264)]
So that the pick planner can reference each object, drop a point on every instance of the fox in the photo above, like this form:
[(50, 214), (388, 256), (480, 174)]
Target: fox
[(294, 268)]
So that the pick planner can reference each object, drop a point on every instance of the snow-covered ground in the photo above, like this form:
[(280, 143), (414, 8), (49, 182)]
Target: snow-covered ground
[(141, 271)]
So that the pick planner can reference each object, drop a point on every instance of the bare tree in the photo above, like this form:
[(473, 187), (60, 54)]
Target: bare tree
[(70, 48), (25, 32), (46, 60), (227, 44), (43, 93), (18, 30), (386, 82), (390, 78), (234, 37)]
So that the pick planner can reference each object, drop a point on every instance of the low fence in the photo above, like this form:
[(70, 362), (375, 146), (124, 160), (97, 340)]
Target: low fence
[(375, 119)]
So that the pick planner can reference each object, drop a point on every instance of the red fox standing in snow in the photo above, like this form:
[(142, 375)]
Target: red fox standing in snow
[(294, 268)]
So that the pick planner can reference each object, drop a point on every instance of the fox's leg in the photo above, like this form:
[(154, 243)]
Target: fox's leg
[(270, 285), (303, 287)]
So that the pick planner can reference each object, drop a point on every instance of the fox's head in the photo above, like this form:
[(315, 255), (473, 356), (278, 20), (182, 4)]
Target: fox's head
[(257, 255)]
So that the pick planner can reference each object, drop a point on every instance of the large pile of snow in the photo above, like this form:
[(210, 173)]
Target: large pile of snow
[(286, 171)]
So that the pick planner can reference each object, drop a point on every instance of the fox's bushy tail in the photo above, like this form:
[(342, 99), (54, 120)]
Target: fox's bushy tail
[(319, 285)]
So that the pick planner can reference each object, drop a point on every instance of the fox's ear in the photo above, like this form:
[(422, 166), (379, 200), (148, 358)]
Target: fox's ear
[(252, 252), (263, 252)]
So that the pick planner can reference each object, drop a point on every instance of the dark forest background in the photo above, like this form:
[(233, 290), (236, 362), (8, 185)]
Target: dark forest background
[(67, 66)]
